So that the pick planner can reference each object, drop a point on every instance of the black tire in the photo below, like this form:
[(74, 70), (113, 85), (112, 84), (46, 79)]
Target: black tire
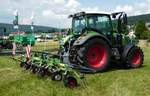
[(135, 58), (57, 76), (34, 69), (101, 46), (53, 70), (22, 64), (27, 66), (70, 82), (41, 72)]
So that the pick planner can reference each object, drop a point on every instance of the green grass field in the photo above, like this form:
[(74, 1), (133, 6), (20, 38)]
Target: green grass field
[(14, 81)]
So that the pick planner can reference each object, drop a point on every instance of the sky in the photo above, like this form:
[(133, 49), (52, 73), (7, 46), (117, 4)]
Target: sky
[(55, 13)]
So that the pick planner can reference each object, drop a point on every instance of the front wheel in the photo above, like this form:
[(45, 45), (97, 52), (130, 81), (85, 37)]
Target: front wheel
[(134, 58)]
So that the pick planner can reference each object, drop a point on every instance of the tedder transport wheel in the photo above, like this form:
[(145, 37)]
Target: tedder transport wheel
[(94, 54), (134, 58)]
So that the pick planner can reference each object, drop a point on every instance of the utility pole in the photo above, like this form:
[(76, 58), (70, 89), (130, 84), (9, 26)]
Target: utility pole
[(16, 21), (32, 24), (16, 27)]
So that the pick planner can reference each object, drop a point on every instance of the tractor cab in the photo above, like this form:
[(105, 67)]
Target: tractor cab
[(104, 24), (100, 22)]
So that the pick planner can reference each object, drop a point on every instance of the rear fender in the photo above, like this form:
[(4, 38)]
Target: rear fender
[(84, 39)]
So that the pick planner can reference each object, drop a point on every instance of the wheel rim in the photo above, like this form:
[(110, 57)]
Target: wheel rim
[(72, 83), (136, 58), (42, 72), (58, 77), (97, 56)]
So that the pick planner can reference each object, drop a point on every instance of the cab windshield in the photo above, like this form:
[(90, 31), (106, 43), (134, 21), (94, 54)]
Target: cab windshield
[(78, 24)]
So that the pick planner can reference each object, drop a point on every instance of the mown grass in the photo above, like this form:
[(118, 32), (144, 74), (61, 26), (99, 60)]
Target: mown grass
[(15, 81)]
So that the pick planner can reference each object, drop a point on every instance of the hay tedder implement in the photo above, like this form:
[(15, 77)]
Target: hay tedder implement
[(43, 64), (91, 45)]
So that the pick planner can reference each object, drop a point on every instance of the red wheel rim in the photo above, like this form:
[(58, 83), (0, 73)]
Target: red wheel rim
[(1, 46), (72, 83), (97, 56), (136, 58)]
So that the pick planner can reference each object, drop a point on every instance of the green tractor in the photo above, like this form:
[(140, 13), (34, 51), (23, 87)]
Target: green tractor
[(94, 42)]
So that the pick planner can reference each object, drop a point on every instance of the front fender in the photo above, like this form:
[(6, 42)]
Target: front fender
[(126, 50)]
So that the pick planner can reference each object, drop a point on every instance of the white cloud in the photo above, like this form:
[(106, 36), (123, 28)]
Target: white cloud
[(72, 4), (135, 9), (125, 8), (25, 21), (53, 15), (47, 12), (59, 1), (93, 10)]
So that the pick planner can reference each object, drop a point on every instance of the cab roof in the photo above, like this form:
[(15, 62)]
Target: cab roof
[(91, 14), (87, 14)]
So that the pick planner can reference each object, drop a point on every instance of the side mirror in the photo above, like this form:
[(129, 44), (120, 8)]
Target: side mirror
[(5, 30), (68, 31), (125, 19), (114, 16), (70, 16)]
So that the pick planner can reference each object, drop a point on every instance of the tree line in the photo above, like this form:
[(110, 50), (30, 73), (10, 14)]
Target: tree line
[(142, 31)]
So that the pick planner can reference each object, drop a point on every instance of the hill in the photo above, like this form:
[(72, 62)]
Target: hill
[(26, 28), (134, 19)]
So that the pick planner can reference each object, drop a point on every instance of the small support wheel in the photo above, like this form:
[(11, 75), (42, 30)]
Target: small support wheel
[(41, 72), (57, 76), (70, 82), (34, 69), (22, 64), (27, 66)]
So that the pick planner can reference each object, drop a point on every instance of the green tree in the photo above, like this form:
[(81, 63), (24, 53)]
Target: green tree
[(141, 30), (148, 36)]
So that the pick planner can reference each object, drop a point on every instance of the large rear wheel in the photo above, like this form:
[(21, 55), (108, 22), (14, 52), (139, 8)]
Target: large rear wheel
[(94, 54)]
